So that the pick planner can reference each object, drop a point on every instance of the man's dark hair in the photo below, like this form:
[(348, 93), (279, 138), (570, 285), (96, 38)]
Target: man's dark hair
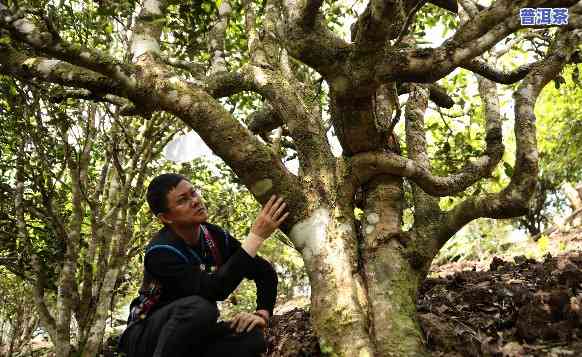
[(158, 190)]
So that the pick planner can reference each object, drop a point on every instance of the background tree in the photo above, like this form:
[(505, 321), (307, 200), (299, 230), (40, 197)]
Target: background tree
[(78, 190), (560, 138), (18, 317), (187, 58)]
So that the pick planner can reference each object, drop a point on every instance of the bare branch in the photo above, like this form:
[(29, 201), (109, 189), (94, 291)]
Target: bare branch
[(415, 131), (225, 84), (147, 29), (407, 22), (425, 206), (450, 5), (196, 69), (369, 164), (47, 319), (386, 108), (126, 107), (483, 68), (304, 126), (264, 120), (438, 94), (264, 48), (216, 38), (508, 46)]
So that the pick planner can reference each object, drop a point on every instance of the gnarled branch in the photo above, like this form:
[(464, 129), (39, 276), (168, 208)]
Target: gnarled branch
[(28, 68), (437, 94), (382, 21), (483, 68), (513, 200), (48, 42), (369, 164), (304, 126), (472, 39), (264, 120), (316, 46)]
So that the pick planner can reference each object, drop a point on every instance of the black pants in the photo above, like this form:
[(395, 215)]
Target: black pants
[(187, 328)]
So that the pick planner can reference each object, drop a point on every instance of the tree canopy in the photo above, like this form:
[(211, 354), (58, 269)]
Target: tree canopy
[(422, 129)]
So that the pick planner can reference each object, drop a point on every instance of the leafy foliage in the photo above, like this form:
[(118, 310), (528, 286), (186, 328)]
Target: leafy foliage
[(18, 317)]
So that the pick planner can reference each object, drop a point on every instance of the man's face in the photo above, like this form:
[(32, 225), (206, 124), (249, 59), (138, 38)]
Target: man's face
[(185, 206)]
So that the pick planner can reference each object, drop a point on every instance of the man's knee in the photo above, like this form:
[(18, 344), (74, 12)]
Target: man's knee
[(255, 341), (196, 309)]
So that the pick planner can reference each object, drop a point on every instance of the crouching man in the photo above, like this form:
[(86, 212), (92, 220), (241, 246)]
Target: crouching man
[(188, 266)]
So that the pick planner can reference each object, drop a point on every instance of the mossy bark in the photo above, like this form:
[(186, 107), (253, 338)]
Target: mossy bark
[(362, 298), (337, 304)]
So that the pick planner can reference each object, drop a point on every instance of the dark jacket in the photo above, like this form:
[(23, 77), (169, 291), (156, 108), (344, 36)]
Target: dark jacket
[(180, 278)]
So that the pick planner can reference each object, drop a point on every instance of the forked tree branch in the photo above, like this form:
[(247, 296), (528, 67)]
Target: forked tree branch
[(382, 21), (317, 46), (513, 200), (472, 39), (417, 169), (304, 126)]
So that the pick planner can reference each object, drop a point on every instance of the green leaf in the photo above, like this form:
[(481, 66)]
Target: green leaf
[(558, 81), (109, 28), (576, 75), (508, 169), (206, 7)]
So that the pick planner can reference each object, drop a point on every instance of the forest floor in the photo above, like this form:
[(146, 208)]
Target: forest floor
[(508, 307), (505, 306)]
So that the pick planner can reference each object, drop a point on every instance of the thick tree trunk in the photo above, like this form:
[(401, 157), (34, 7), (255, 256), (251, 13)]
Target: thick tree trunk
[(362, 294), (337, 295), (391, 281)]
